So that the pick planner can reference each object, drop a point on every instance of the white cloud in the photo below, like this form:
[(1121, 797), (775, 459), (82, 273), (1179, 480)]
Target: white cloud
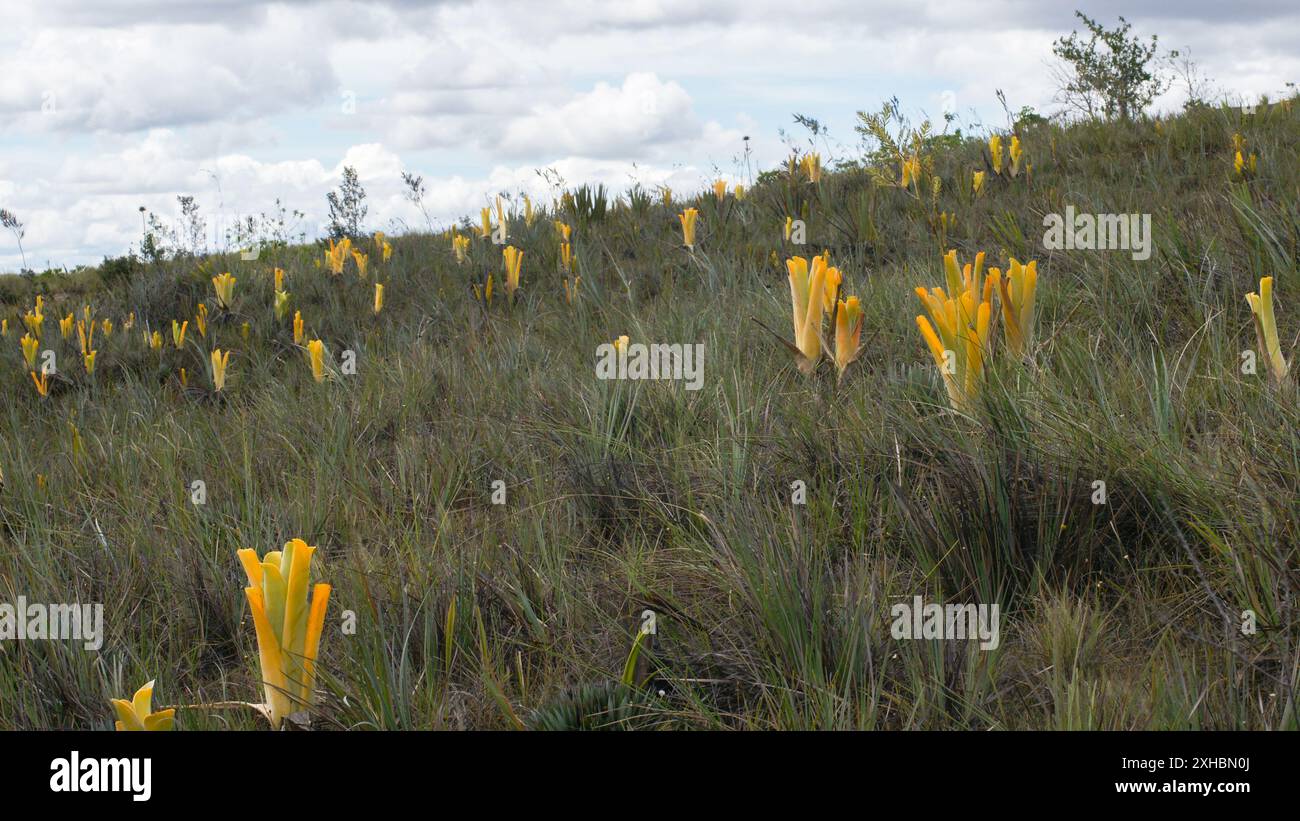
[(108, 106), (608, 121)]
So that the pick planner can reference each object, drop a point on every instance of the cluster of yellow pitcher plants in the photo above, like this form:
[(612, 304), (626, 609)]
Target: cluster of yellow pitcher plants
[(223, 287), (288, 621)]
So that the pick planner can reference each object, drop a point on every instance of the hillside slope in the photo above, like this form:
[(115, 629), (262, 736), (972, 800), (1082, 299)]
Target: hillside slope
[(626, 496)]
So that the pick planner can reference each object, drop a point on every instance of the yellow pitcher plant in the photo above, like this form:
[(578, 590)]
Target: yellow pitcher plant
[(688, 218), (831, 285), (1016, 151), (65, 326), (720, 189), (362, 261), (137, 714), (299, 328), (812, 166), (513, 259), (484, 294), (1261, 308), (86, 335), (219, 363), (224, 285), (460, 247), (337, 255), (31, 345), (379, 298), (316, 358), (288, 625), (959, 336), (911, 174), (1018, 289), (201, 320), (178, 332), (281, 304), (807, 298), (995, 153), (848, 333), (977, 182)]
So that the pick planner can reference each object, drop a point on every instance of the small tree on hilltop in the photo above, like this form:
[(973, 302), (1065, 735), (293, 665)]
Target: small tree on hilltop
[(347, 206), (1110, 74)]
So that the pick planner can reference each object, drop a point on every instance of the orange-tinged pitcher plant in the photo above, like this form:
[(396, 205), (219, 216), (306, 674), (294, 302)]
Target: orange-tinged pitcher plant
[(337, 255), (1261, 308), (958, 338), (316, 358), (137, 715), (288, 625), (178, 332), (85, 335), (831, 284), (848, 333), (1018, 289)]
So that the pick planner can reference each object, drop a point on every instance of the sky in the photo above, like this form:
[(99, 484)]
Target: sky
[(106, 107)]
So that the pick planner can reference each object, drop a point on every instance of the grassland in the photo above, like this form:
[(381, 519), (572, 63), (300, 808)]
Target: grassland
[(626, 496)]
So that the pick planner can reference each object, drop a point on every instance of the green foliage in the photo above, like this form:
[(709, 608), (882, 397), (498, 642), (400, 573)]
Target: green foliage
[(1111, 74), (625, 496), (347, 208)]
